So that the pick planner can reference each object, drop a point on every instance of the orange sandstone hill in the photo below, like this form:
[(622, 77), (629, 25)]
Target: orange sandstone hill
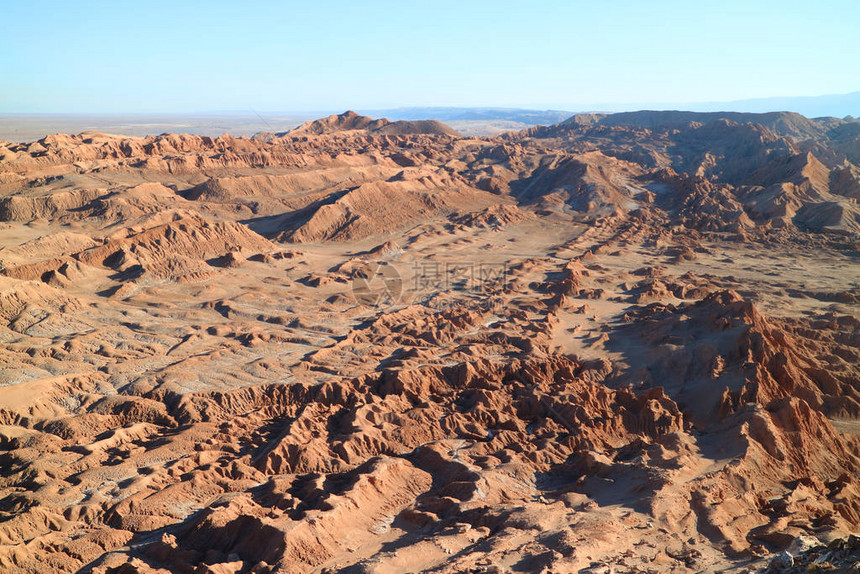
[(621, 343), (349, 121)]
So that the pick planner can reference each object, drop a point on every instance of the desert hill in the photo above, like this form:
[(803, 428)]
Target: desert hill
[(787, 124), (617, 343), (350, 120)]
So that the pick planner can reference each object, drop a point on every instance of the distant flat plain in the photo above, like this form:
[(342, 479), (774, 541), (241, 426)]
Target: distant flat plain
[(477, 122), (31, 127)]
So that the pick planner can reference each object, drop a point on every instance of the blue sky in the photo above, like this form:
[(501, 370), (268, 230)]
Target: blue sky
[(156, 56)]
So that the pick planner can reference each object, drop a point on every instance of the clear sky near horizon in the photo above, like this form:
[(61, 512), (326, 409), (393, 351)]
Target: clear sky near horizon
[(203, 56)]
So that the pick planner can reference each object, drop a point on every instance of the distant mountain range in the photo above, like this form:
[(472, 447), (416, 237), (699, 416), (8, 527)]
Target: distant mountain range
[(443, 114), (787, 124), (469, 121), (834, 105), (837, 105)]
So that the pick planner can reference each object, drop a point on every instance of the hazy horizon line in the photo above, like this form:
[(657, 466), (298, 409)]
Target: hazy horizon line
[(600, 107)]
